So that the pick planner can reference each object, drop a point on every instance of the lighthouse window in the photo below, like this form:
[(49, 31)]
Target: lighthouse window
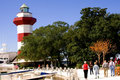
[(21, 10), (24, 10)]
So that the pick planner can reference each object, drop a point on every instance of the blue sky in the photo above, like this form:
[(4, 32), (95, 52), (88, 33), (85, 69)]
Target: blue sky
[(46, 12)]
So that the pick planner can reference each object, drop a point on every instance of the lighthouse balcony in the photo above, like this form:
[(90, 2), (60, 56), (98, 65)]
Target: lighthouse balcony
[(24, 20)]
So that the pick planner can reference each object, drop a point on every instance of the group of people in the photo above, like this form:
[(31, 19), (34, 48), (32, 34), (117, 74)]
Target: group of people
[(96, 67)]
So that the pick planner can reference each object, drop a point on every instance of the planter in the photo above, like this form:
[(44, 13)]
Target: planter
[(117, 71)]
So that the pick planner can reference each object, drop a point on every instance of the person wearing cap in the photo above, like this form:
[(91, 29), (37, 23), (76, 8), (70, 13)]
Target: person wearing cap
[(112, 67), (85, 69)]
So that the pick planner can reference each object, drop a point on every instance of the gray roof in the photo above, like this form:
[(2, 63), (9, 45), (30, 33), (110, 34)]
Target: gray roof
[(24, 6), (10, 55)]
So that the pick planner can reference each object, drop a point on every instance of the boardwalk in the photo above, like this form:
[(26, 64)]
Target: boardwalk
[(66, 75)]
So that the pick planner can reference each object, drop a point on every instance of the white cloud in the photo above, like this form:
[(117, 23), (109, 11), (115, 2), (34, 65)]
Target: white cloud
[(3, 49)]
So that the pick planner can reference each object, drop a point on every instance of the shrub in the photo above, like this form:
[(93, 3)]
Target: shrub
[(79, 65)]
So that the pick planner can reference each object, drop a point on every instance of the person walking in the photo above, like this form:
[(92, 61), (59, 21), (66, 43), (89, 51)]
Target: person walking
[(112, 67), (105, 66), (98, 63), (85, 69), (91, 68), (96, 70)]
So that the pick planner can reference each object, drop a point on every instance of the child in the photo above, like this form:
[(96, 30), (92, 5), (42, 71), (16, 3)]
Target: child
[(96, 69)]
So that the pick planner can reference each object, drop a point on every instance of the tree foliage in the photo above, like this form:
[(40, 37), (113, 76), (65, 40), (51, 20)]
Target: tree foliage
[(45, 43), (101, 47)]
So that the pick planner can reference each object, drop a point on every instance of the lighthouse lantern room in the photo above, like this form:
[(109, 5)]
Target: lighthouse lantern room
[(24, 8)]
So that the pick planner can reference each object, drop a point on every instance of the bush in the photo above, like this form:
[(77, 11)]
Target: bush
[(78, 66), (118, 65)]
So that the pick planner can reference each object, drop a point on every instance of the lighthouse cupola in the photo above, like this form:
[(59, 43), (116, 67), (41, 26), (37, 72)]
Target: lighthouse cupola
[(24, 8)]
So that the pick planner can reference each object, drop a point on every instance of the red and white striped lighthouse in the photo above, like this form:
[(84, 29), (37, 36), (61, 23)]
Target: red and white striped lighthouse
[(24, 22)]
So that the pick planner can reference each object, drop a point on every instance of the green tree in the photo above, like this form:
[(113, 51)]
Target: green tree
[(95, 24), (45, 43), (80, 36)]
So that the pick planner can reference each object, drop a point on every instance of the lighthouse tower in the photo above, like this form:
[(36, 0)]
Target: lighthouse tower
[(24, 22)]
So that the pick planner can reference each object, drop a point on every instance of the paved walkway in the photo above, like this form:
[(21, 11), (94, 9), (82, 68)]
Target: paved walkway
[(101, 76)]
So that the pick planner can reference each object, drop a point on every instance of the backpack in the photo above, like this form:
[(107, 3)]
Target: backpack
[(105, 65)]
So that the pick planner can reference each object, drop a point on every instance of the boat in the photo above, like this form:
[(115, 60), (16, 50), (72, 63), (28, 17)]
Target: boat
[(25, 75)]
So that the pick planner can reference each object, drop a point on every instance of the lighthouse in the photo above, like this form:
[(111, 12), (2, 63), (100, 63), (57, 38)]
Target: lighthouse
[(24, 22)]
